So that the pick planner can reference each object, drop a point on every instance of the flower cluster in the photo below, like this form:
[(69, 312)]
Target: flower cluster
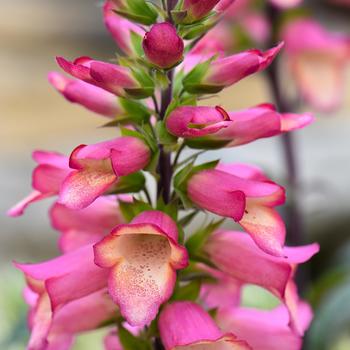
[(129, 260)]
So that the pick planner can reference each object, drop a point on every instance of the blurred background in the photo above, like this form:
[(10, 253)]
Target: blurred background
[(34, 116)]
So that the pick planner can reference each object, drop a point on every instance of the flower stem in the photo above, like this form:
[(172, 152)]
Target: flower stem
[(164, 164), (295, 219)]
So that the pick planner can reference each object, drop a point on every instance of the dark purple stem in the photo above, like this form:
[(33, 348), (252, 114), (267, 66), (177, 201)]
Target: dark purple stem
[(295, 220), (164, 164)]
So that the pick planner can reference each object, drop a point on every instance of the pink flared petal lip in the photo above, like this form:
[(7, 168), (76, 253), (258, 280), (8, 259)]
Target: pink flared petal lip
[(262, 329), (105, 250), (75, 69), (266, 227), (82, 187), (48, 178), (51, 158), (140, 306), (19, 208)]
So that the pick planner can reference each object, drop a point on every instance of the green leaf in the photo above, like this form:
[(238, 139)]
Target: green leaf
[(130, 210), (196, 75), (163, 135), (190, 291), (186, 220), (169, 209), (136, 111), (206, 142), (198, 239), (132, 183), (130, 342), (138, 11), (136, 42)]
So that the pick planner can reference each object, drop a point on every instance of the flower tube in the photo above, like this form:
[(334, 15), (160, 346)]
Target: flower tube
[(142, 258), (186, 326)]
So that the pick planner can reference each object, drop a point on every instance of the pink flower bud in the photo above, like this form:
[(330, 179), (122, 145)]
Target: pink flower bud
[(162, 46)]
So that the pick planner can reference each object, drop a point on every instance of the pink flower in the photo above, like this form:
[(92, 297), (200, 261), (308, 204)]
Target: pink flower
[(163, 46), (66, 278), (141, 259), (236, 255), (197, 9), (264, 329), (99, 166), (226, 71), (91, 97), (286, 3), (193, 121), (55, 330), (46, 179), (249, 125), (185, 325), (116, 79), (246, 195), (124, 32), (317, 60), (111, 341), (86, 226)]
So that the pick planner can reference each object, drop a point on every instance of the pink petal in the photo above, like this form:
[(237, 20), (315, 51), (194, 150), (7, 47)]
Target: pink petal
[(224, 293), (21, 206), (263, 330), (292, 121), (111, 341), (120, 28), (251, 124), (265, 226), (185, 326), (82, 187), (193, 121), (142, 259)]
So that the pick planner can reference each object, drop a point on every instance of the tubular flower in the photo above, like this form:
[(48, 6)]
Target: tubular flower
[(236, 255), (198, 9), (249, 125), (317, 60), (66, 278), (111, 341), (226, 71), (91, 97), (142, 258), (244, 194), (116, 79), (127, 35), (86, 226), (47, 177), (97, 167), (191, 121), (263, 329), (286, 3), (55, 330), (186, 326), (162, 45)]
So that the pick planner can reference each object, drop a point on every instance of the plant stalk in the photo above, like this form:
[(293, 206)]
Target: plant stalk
[(295, 219)]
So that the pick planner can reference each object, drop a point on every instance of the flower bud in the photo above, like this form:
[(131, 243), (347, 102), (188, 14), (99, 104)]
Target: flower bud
[(162, 46)]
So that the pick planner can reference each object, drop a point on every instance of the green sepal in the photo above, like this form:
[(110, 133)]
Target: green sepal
[(138, 11), (187, 219), (136, 43), (163, 135), (170, 208), (146, 88), (198, 239), (131, 342), (134, 112), (206, 143), (132, 209), (193, 81), (181, 178), (132, 183), (189, 291), (197, 28)]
